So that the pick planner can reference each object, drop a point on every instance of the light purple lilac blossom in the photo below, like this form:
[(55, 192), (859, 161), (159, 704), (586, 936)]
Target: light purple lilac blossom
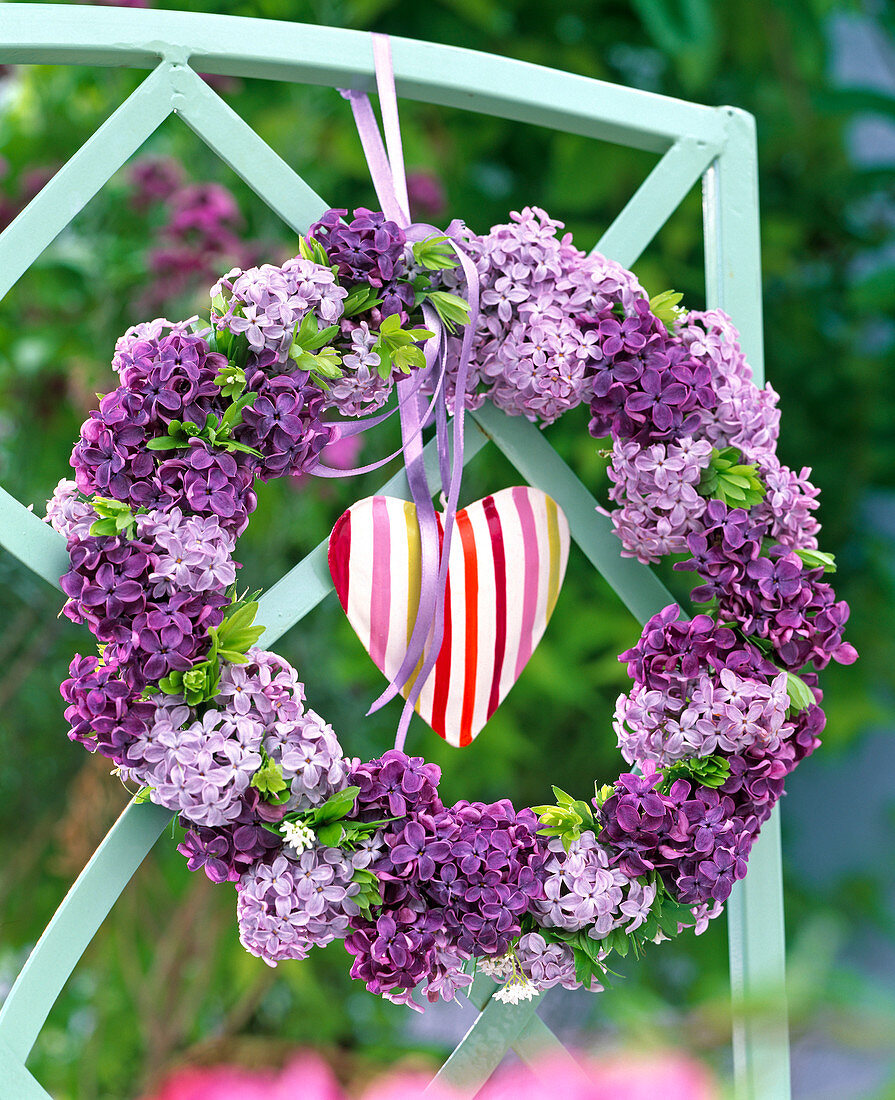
[(267, 303)]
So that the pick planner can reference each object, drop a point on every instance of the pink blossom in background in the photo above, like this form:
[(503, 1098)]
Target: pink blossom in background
[(153, 179), (426, 194), (664, 1075), (307, 1077)]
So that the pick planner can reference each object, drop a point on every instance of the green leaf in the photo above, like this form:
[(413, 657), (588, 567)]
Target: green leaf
[(142, 796), (407, 357), (338, 805), (451, 308), (360, 299), (165, 443), (330, 834), (665, 307), (104, 527), (269, 779), (816, 559), (434, 253), (800, 695), (727, 480), (233, 415)]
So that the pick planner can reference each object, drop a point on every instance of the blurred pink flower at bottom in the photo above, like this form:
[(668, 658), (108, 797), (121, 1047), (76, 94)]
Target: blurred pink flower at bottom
[(669, 1076), (306, 1076)]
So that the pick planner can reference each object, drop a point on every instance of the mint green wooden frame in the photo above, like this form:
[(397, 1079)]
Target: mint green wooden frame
[(714, 144)]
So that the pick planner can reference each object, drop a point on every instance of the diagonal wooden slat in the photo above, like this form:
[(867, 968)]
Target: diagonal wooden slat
[(237, 144), (17, 1082), (75, 184), (492, 1034), (75, 923), (657, 198), (32, 541)]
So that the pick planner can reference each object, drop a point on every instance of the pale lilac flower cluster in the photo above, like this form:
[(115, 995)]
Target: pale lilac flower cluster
[(746, 417), (532, 350), (789, 504), (69, 513), (191, 552), (288, 904), (199, 767), (657, 487), (267, 303), (546, 964), (267, 689), (715, 712), (361, 390), (583, 889)]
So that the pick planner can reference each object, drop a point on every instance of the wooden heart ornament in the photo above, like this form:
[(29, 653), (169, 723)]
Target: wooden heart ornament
[(507, 562)]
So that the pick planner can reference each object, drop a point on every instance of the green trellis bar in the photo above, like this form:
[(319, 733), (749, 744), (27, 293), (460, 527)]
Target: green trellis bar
[(715, 144)]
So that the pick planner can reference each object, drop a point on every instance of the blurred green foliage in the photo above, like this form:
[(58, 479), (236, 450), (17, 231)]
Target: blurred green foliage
[(166, 975)]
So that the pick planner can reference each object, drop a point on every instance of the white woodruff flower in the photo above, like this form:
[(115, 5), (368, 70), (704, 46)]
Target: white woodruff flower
[(298, 836), (517, 989)]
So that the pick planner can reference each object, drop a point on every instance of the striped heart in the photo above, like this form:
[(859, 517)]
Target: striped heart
[(507, 561)]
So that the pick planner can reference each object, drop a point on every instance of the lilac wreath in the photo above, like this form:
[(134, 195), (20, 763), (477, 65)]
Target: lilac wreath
[(323, 848)]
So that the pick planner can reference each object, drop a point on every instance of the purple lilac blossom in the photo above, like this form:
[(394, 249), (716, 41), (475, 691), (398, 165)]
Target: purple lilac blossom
[(395, 785), (284, 423), (482, 864), (706, 851), (773, 596), (105, 714), (369, 249)]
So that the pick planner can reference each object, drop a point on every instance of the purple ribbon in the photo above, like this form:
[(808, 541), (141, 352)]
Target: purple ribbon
[(386, 164)]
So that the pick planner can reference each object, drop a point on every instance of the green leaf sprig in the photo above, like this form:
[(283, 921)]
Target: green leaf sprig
[(309, 351), (434, 254), (216, 432), (361, 297), (313, 250), (397, 346), (567, 819), (800, 695), (707, 771), (666, 307), (229, 642), (730, 481), (369, 893), (330, 822), (817, 559), (270, 781), (451, 308), (116, 518)]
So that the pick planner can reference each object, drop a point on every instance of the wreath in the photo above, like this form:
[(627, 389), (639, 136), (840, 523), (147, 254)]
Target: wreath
[(321, 847)]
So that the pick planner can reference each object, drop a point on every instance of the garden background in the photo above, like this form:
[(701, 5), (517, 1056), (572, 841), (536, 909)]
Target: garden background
[(166, 979)]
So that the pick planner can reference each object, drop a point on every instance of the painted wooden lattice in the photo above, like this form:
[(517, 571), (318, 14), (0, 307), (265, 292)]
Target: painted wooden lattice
[(714, 144)]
